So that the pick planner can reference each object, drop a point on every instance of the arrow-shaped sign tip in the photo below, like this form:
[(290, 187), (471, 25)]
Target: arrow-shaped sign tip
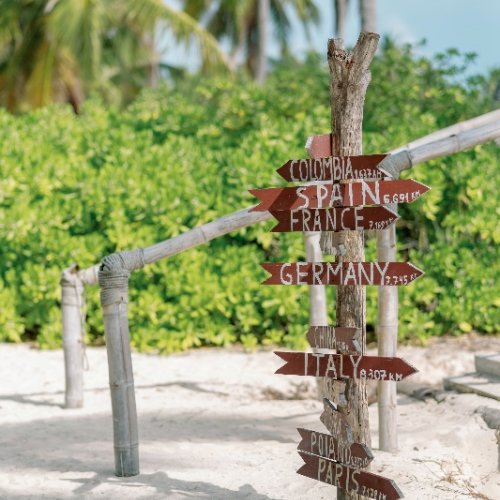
[(418, 271)]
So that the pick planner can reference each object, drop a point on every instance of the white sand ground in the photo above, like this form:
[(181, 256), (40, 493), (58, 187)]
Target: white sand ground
[(218, 424)]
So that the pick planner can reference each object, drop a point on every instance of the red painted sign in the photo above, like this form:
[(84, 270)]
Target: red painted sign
[(319, 146), (329, 337), (341, 273), (356, 455), (339, 195), (336, 423), (338, 366), (333, 168), (333, 219), (352, 480)]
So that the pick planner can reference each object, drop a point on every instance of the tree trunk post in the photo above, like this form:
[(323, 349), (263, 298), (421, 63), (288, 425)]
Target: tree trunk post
[(349, 80), (72, 304), (387, 335), (113, 279)]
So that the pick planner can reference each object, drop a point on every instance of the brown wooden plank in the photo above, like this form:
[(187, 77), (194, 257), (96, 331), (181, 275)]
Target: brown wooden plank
[(333, 168), (356, 455), (352, 480), (348, 194), (335, 338), (336, 423), (333, 219), (341, 273), (339, 366)]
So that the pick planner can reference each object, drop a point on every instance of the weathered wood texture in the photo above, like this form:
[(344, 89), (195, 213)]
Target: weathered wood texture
[(349, 79), (72, 304)]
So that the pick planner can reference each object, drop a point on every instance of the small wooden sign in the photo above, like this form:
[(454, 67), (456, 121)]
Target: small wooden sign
[(339, 366), (332, 168), (356, 455), (335, 338), (352, 480), (336, 423), (348, 194), (341, 273), (333, 219)]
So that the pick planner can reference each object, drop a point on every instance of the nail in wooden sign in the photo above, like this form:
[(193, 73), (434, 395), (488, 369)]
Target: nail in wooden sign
[(356, 455), (333, 219), (341, 273), (338, 195), (336, 423), (329, 337), (339, 366), (333, 168), (352, 480)]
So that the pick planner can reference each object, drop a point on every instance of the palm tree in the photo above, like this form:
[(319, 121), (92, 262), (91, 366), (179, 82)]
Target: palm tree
[(367, 13), (238, 23), (60, 50)]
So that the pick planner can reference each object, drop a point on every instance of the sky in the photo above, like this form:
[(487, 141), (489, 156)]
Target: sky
[(468, 25)]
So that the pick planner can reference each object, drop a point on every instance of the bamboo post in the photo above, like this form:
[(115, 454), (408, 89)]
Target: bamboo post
[(113, 279), (72, 303), (349, 80), (387, 336)]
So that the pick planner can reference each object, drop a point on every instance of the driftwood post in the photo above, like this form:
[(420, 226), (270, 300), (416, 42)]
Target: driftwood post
[(72, 303), (113, 279), (349, 80)]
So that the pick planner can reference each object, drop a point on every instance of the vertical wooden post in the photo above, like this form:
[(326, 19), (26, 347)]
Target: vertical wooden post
[(113, 279), (72, 303), (387, 333), (349, 80)]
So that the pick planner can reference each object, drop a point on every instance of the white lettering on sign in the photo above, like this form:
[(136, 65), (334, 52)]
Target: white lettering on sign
[(316, 169), (323, 273), (337, 475)]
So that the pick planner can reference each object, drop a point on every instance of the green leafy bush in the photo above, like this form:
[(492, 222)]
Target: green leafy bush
[(76, 188)]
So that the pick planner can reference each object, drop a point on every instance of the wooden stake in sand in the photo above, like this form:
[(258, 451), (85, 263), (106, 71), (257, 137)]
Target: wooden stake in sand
[(72, 303)]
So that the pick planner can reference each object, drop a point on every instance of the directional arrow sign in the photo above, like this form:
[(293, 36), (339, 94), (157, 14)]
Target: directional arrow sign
[(332, 168), (339, 195), (338, 366), (333, 219), (356, 455), (349, 479), (336, 423), (341, 273), (329, 337)]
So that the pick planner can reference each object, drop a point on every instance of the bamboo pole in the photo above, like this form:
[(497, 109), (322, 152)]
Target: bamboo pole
[(113, 279), (72, 303), (349, 79), (387, 336)]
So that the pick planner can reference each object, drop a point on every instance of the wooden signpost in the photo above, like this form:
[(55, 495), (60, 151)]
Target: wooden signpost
[(352, 480), (333, 219), (343, 183), (333, 168), (327, 337), (338, 195), (340, 366), (341, 273)]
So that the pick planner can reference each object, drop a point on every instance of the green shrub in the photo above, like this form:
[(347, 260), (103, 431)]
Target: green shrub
[(76, 188)]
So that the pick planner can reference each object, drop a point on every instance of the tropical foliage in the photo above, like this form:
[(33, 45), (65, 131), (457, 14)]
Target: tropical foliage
[(62, 50), (76, 188)]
